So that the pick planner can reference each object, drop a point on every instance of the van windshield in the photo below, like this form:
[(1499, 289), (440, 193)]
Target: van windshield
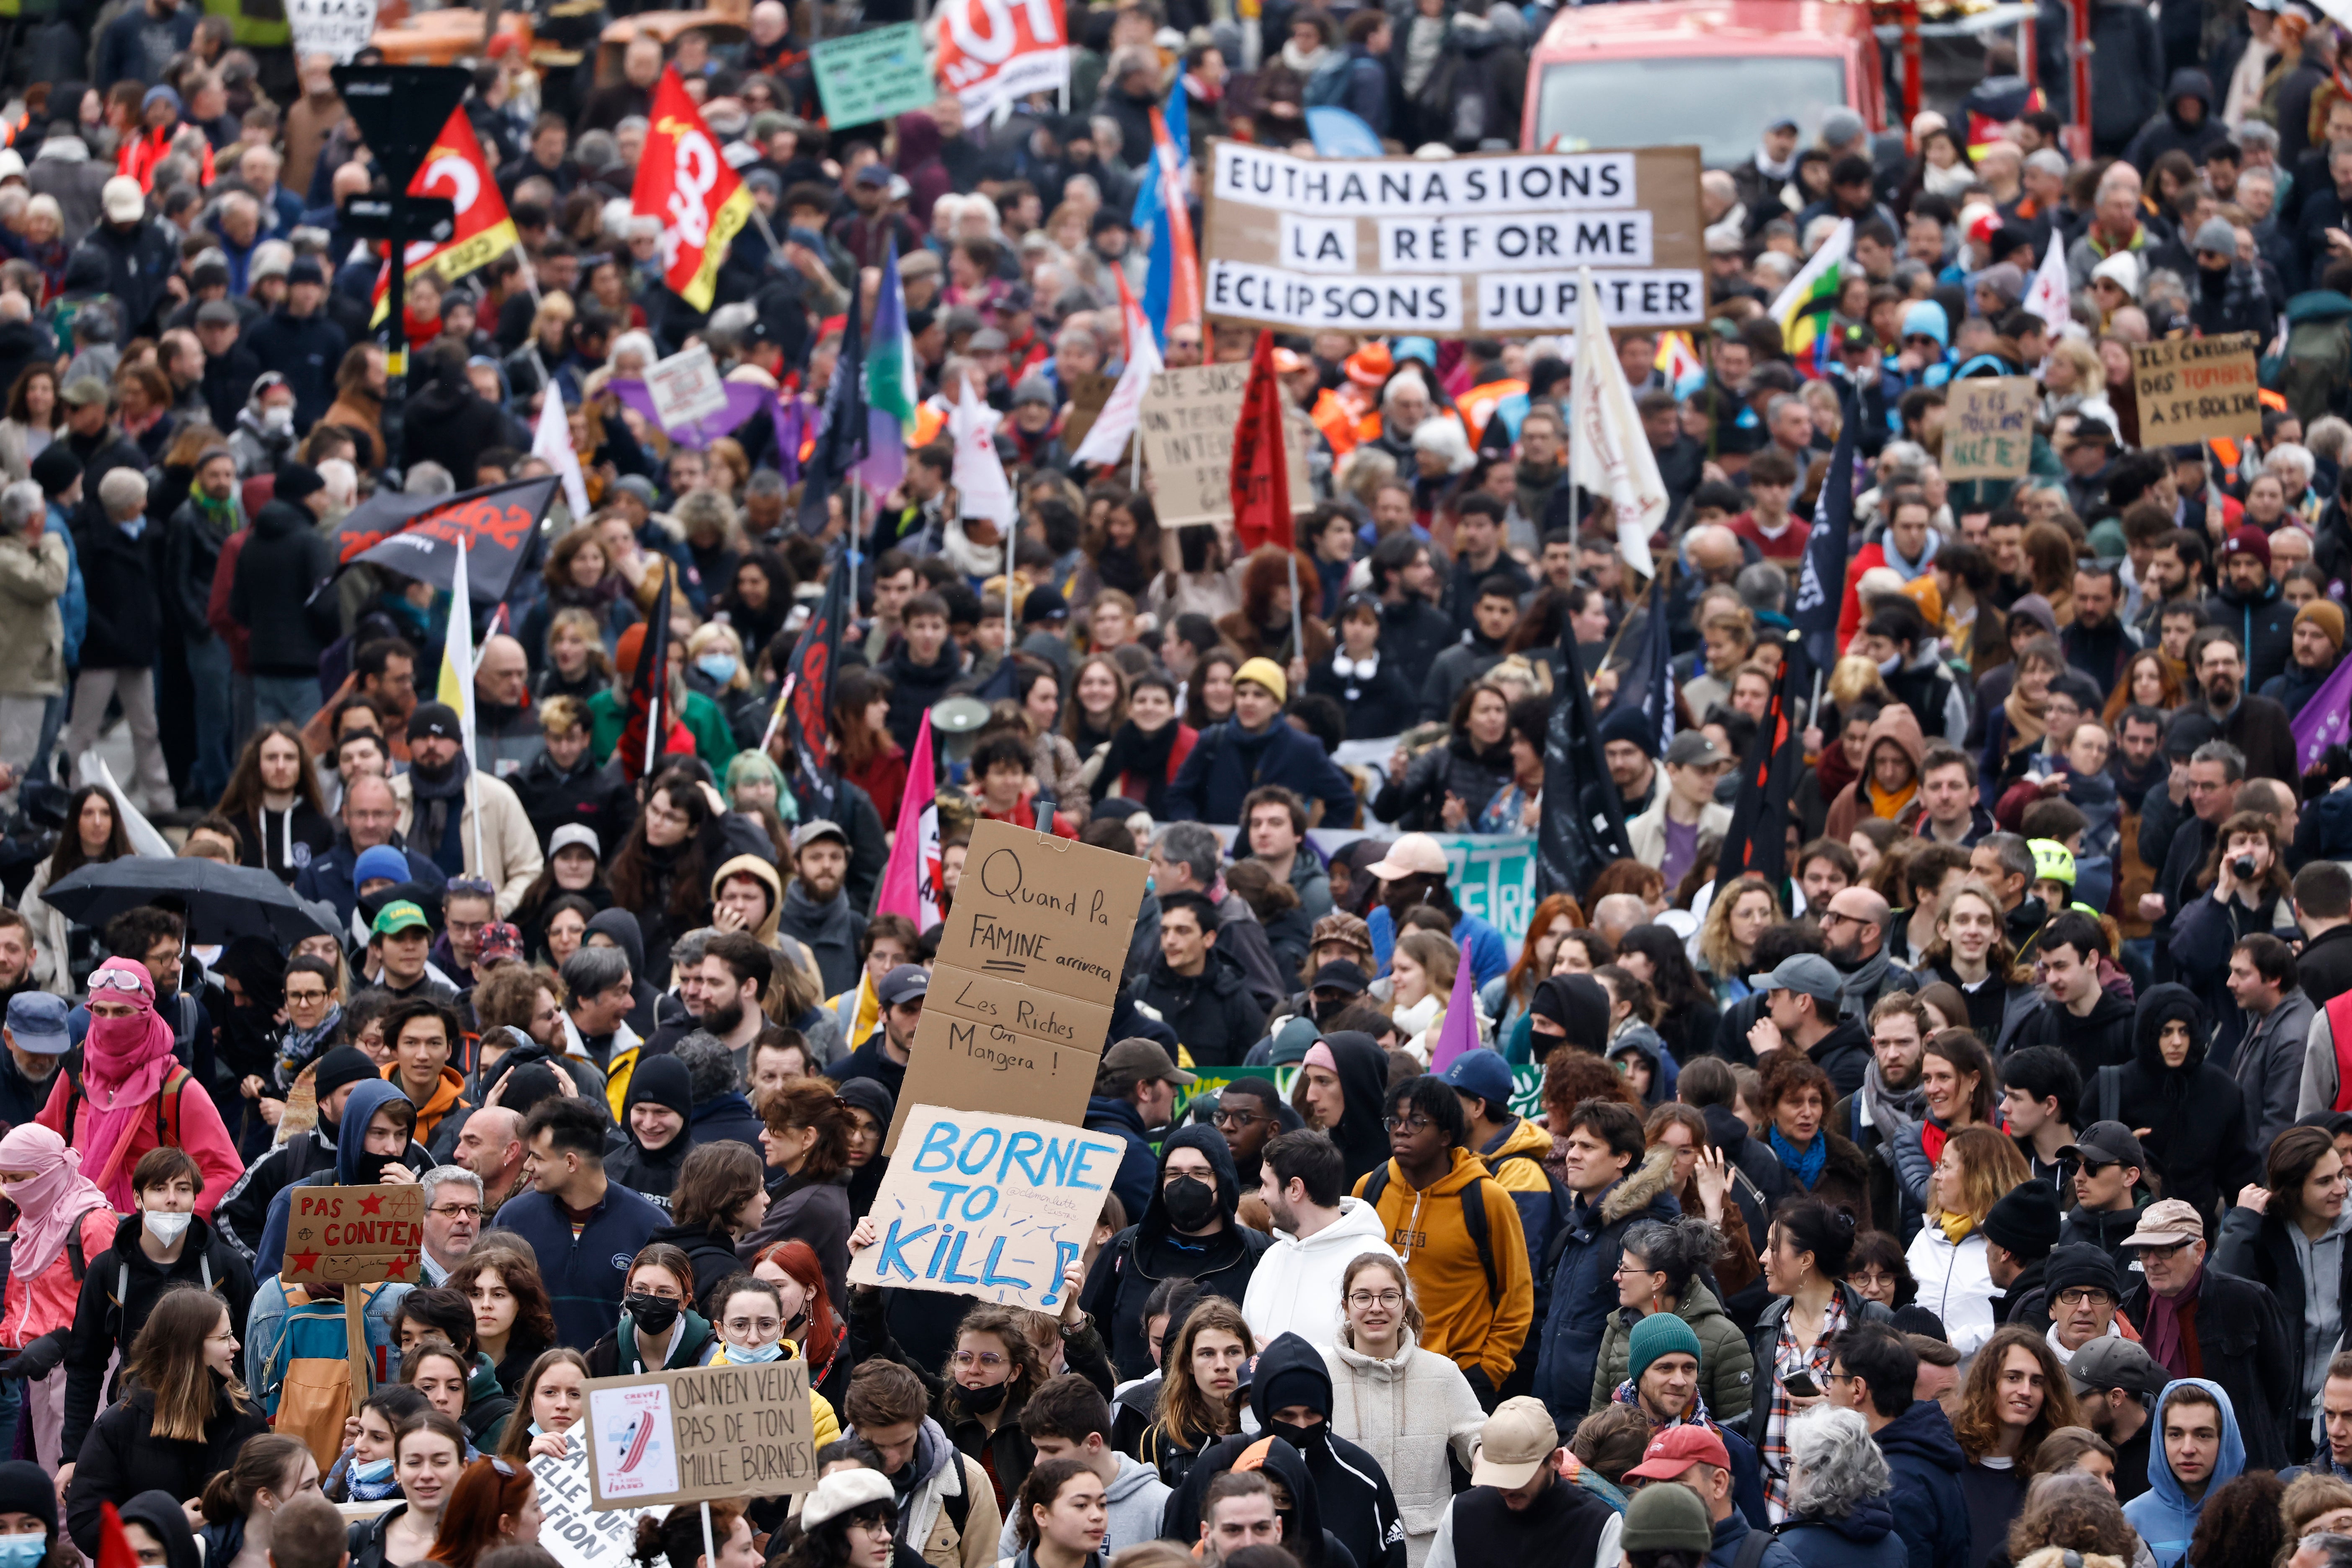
[(1718, 102)]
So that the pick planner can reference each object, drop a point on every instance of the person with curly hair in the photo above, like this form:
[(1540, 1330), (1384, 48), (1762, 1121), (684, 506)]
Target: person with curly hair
[(2016, 1393), (2066, 1514)]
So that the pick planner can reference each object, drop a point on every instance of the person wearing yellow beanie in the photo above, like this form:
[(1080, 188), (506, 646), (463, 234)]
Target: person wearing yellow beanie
[(2314, 647), (1255, 748)]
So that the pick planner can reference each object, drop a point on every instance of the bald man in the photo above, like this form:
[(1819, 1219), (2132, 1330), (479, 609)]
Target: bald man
[(1854, 925), (1714, 556), (507, 736), (1617, 914)]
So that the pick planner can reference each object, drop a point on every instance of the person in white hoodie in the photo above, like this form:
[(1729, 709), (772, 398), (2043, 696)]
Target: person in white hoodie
[(1317, 1232), (1403, 1405), (1067, 1419)]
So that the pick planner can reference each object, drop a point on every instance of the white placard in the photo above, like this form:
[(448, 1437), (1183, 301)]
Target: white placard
[(685, 387), (638, 1456), (340, 28), (575, 1531)]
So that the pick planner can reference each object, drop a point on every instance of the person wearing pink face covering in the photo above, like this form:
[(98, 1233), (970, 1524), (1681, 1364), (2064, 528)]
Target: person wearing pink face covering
[(61, 1214), (132, 1095)]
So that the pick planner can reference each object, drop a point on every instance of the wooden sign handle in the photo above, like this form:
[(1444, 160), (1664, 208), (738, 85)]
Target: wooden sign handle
[(355, 1341)]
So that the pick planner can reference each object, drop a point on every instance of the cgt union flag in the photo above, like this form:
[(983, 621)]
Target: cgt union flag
[(697, 196), (455, 169), (995, 52)]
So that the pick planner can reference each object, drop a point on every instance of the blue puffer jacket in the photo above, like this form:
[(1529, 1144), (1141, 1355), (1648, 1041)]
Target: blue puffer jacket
[(1228, 762), (1863, 1539), (1924, 1458), (1582, 1267)]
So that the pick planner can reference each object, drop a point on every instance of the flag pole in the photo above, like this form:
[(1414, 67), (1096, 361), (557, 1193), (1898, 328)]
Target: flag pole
[(1008, 594), (1298, 636)]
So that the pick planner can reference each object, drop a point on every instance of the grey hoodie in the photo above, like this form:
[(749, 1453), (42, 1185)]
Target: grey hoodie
[(1137, 1497)]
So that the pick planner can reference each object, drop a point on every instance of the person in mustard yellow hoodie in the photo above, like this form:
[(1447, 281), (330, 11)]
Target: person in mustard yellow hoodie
[(1458, 1230)]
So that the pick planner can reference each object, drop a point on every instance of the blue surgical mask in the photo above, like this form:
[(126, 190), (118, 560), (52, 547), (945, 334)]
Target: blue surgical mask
[(23, 1551), (738, 1355), (371, 1471), (719, 667)]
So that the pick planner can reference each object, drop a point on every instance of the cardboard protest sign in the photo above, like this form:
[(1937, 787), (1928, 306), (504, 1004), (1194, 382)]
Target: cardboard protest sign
[(994, 1207), (2197, 389), (1490, 242), (355, 1236), (685, 387), (580, 1534), (993, 1067), (872, 75), (1087, 394), (1063, 1021), (338, 28), (700, 1433), (1187, 424), (1988, 427)]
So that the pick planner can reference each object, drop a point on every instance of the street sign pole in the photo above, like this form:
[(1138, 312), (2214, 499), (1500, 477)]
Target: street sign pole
[(400, 109)]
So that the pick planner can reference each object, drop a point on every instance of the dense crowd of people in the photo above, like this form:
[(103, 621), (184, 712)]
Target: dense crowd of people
[(1974, 1195)]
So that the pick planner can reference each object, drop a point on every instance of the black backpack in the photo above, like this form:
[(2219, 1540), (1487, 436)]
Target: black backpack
[(1473, 1220)]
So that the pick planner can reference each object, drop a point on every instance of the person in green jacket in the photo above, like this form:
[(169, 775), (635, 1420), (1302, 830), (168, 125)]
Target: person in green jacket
[(1663, 1265), (608, 712)]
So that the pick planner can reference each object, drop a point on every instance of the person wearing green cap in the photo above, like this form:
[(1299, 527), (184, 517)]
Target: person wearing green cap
[(398, 942), (1663, 1521)]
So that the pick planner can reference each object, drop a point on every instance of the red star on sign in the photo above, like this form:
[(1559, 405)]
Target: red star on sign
[(371, 1205), (301, 1262)]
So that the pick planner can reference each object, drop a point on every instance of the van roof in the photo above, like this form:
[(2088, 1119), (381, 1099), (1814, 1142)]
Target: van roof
[(1704, 27)]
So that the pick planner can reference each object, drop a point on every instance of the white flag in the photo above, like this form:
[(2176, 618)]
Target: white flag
[(1124, 406), (1609, 454), (553, 442), (1808, 282), (2046, 297), (981, 488)]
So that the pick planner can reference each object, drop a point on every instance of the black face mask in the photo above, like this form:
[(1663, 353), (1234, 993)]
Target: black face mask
[(368, 1169), (1191, 1202), (979, 1401), (652, 1314), (1306, 1439)]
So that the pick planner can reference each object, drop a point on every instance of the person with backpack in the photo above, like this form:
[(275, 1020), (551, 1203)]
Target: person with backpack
[(1458, 1231), (244, 1211), (1513, 1149), (62, 1221), (130, 1094)]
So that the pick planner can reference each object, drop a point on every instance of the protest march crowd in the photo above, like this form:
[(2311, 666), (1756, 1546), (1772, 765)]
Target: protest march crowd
[(1892, 1109)]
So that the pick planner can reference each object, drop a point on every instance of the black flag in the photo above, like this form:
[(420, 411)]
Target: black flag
[(808, 704), (1757, 840), (1583, 814), (1821, 585), (649, 714), (841, 441)]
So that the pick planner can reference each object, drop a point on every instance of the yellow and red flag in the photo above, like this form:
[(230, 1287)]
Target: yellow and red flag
[(697, 196), (455, 169)]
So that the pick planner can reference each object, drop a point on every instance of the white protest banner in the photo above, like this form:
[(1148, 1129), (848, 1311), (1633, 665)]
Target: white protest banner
[(1187, 424), (580, 1534), (700, 1433), (338, 28), (994, 1207), (685, 387), (1490, 242), (994, 53)]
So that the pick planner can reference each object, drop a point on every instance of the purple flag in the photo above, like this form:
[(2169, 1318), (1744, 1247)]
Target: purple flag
[(2325, 720), (1459, 1031), (744, 400)]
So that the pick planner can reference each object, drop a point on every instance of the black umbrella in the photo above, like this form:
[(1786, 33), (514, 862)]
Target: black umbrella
[(221, 902)]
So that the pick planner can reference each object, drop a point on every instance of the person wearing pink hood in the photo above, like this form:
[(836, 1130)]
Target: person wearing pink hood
[(131, 1095), (62, 1222)]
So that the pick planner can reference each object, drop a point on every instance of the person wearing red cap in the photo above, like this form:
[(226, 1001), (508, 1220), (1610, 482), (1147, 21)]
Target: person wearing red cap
[(2250, 607), (1693, 1457)]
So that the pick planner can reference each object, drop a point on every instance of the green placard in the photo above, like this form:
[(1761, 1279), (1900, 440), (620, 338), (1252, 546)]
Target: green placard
[(873, 75)]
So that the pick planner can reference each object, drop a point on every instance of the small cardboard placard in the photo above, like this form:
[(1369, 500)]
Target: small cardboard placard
[(991, 1067), (1988, 427), (700, 1433), (873, 75), (355, 1236), (1063, 1022), (340, 28), (994, 1207), (1043, 911), (578, 1533), (2197, 389), (685, 387), (1187, 424)]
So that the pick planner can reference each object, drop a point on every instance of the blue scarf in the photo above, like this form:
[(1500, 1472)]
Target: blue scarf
[(1804, 1163)]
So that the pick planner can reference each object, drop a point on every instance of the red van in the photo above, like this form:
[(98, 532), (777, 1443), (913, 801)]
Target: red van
[(1708, 72)]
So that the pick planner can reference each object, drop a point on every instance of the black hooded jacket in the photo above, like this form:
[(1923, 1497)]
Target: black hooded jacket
[(1351, 1491), (657, 1080), (1363, 1141), (1214, 1012), (166, 1518), (450, 424), (2195, 1115), (1149, 1251), (118, 1289), (2168, 130)]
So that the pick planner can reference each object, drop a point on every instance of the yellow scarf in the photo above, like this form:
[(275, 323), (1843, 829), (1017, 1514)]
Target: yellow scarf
[(1956, 1226), (1890, 806)]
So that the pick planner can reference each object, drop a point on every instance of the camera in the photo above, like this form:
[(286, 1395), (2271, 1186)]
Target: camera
[(2243, 867)]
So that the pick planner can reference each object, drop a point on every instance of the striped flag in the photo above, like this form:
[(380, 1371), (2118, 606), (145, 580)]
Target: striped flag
[(1172, 286), (1802, 308), (890, 386)]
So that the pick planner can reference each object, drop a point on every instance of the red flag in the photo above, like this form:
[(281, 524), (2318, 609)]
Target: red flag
[(1261, 478), (114, 1548), (455, 169), (695, 194), (649, 694)]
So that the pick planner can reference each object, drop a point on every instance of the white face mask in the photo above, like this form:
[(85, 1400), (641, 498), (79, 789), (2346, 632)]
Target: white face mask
[(166, 1228)]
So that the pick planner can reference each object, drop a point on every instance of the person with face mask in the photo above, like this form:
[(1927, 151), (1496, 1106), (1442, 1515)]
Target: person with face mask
[(161, 1244), (244, 1211), (28, 1500), (377, 1146), (1188, 1228), (754, 1329), (659, 1329), (62, 1219)]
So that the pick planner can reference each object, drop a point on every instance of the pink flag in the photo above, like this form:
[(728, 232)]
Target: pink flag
[(1459, 1032), (910, 882)]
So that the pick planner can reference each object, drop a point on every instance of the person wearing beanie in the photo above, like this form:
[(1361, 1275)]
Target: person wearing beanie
[(1630, 746), (2082, 1287), (244, 1210), (299, 343), (2314, 647), (1664, 1519), (2019, 1232), (1255, 748), (655, 1119), (282, 560), (2228, 295), (2250, 607), (467, 823)]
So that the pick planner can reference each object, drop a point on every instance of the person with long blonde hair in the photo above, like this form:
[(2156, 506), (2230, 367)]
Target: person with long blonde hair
[(1739, 914), (1977, 1168)]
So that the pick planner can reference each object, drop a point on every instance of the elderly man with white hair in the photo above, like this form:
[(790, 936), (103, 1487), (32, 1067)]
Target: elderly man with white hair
[(121, 564), (32, 631)]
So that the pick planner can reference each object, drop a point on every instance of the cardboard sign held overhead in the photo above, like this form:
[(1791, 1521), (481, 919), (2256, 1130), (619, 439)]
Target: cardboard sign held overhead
[(1044, 911), (2197, 389), (1988, 427), (700, 1433), (994, 1207), (1187, 426), (355, 1236)]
